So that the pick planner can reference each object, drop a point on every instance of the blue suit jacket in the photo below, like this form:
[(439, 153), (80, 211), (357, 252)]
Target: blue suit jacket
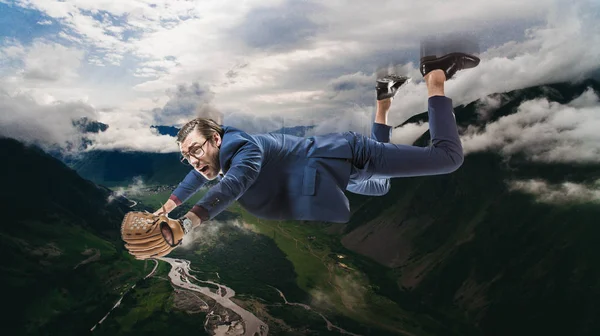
[(277, 176)]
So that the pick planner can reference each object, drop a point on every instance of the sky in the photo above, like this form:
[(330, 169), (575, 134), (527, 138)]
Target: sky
[(264, 64)]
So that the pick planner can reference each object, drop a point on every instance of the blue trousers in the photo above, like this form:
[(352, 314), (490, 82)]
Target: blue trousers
[(375, 160)]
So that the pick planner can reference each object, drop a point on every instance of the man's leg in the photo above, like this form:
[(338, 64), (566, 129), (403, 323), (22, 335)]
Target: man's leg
[(377, 160), (380, 132), (444, 155)]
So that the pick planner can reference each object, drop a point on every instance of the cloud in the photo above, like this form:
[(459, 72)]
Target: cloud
[(408, 133), (566, 192), (545, 131), (48, 61), (41, 61), (210, 233), (354, 118), (253, 123), (47, 122), (285, 25), (124, 138), (46, 71), (562, 50), (134, 189), (486, 106), (47, 125), (186, 103), (588, 99), (287, 61)]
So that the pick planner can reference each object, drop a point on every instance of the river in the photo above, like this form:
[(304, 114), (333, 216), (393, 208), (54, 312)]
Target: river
[(330, 326), (180, 276)]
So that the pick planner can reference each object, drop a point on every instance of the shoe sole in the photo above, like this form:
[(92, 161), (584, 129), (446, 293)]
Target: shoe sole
[(471, 60), (468, 57), (393, 78)]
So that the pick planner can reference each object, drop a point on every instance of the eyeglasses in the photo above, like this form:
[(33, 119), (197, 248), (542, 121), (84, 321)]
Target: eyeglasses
[(195, 151)]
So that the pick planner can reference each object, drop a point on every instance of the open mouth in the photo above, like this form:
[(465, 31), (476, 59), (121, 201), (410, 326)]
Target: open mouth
[(203, 169)]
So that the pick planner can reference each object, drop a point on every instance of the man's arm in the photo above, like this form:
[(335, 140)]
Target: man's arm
[(166, 208), (245, 167), (192, 182)]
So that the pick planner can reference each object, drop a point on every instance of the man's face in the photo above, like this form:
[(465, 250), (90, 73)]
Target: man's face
[(203, 155)]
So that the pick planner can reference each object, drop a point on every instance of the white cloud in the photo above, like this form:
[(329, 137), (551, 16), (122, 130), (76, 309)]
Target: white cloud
[(133, 139), (43, 70), (47, 125), (588, 99), (353, 118), (211, 234), (544, 131), (134, 189), (12, 50), (147, 48), (408, 133), (558, 193), (566, 49), (130, 132), (47, 61)]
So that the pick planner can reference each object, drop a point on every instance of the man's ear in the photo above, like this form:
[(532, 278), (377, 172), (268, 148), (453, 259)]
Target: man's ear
[(217, 139)]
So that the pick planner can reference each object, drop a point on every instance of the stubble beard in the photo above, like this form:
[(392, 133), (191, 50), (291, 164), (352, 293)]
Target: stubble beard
[(214, 167)]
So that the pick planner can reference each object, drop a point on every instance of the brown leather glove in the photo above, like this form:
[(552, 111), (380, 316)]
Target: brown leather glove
[(147, 235)]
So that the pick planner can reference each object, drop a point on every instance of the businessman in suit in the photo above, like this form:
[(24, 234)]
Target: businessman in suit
[(276, 176)]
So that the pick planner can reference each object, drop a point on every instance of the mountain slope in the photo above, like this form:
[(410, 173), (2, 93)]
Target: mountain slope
[(62, 263), (468, 245), (116, 168), (113, 168)]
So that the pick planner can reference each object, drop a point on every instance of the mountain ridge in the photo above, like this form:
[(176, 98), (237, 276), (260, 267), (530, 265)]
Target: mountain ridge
[(467, 244)]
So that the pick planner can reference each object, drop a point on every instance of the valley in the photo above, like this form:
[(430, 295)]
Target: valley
[(503, 246)]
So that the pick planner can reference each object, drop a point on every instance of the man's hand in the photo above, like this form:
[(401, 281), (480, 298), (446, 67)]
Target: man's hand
[(194, 218), (161, 211), (166, 208)]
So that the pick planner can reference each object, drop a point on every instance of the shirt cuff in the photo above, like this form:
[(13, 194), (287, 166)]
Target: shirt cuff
[(201, 212), (175, 199), (381, 132)]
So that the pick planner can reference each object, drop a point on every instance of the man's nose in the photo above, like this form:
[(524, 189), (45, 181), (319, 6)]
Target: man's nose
[(193, 161)]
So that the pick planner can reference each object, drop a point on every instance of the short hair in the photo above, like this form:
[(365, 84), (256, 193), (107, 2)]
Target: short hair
[(206, 127)]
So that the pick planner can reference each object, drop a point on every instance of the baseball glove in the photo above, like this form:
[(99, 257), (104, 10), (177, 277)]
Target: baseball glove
[(147, 235)]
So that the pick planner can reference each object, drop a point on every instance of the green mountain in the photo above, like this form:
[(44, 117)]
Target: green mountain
[(457, 254), (466, 246), (114, 168), (62, 265)]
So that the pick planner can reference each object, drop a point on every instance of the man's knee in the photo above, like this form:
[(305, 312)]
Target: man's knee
[(456, 161)]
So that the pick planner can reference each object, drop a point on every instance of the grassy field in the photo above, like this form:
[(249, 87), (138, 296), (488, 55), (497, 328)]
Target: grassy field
[(154, 200), (350, 290), (148, 309), (332, 275)]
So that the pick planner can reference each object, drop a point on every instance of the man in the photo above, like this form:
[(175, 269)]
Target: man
[(276, 176)]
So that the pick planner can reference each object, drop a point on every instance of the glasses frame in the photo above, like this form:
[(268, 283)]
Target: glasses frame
[(185, 159)]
